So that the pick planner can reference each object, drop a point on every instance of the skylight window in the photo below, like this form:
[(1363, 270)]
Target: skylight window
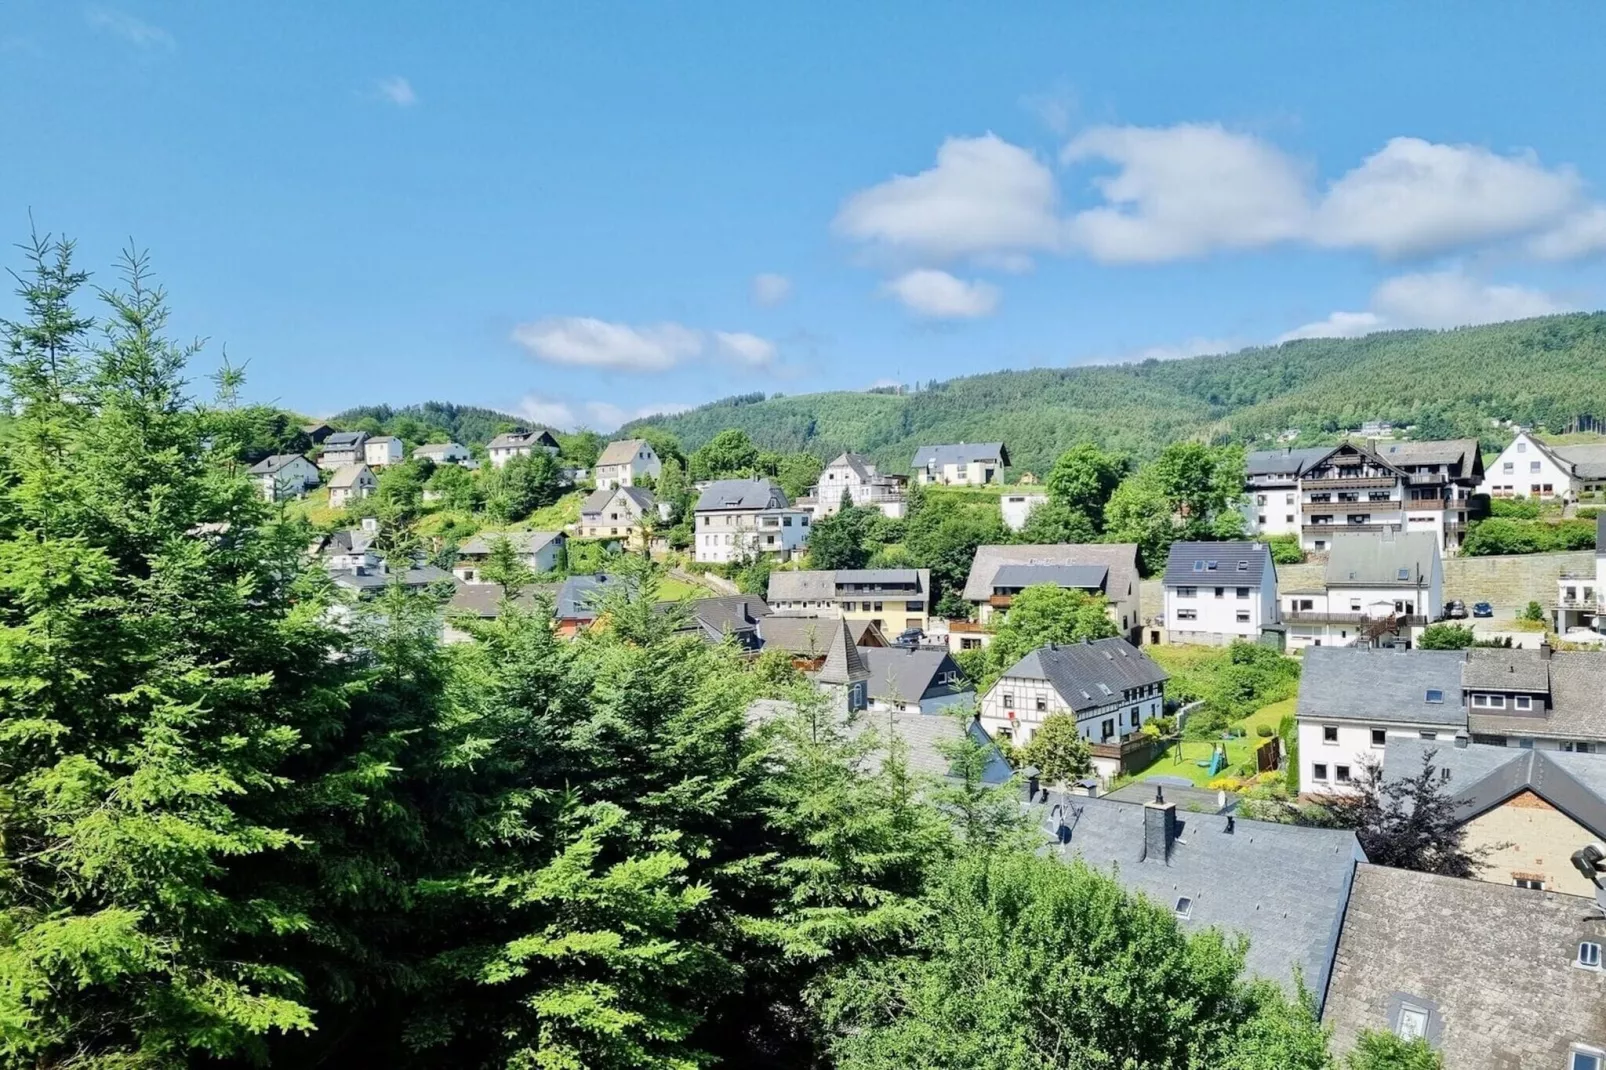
[(1435, 695), (1185, 908), (1589, 955), (1211, 565), (1198, 566), (1404, 574)]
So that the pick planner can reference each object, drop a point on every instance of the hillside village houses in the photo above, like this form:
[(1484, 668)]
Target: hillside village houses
[(1354, 701), (1109, 686), (382, 450), (894, 599), (539, 551), (739, 519), (1017, 508), (284, 475), (624, 463), (446, 453), (618, 513), (352, 482), (1217, 592), (921, 679), (1378, 589), (342, 448), (961, 463), (1319, 492), (855, 475), (998, 573), (1532, 468), (1581, 595), (520, 442)]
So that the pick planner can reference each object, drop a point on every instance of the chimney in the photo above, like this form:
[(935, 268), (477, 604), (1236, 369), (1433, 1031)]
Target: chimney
[(1461, 738), (1544, 649), (1159, 827)]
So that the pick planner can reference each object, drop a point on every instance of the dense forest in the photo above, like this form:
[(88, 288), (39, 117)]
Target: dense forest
[(467, 424), (1546, 372)]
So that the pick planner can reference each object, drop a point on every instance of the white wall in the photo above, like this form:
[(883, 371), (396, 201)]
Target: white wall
[(1017, 507), (1216, 619), (382, 453), (628, 474), (1272, 512), (1354, 744), (722, 537), (1520, 467), (1026, 693)]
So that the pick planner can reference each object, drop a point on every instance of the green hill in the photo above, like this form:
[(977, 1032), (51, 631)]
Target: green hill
[(468, 424), (1549, 372)]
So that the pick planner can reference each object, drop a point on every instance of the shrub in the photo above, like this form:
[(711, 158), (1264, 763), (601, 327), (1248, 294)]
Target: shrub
[(1445, 637), (1514, 508), (1225, 783), (1263, 731), (1285, 549), (1534, 612)]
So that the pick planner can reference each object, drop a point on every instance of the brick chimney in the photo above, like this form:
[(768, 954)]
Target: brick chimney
[(1159, 828)]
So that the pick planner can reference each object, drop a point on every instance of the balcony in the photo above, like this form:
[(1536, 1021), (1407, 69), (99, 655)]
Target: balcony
[(1595, 603), (1357, 483), (1390, 505), (1325, 616), (1426, 479)]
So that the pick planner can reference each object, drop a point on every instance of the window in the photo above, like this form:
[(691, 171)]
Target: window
[(1427, 735), (1533, 884), (1403, 574), (1289, 519), (1522, 447), (1107, 729), (1210, 566), (1288, 499), (1260, 499), (878, 607), (1185, 908), (1589, 955), (1435, 695), (1243, 592), (1198, 566), (1243, 616), (1329, 733), (1522, 702), (1261, 519), (1221, 592), (1187, 614), (1379, 737), (1533, 466), (1042, 705), (1187, 592), (1582, 1058), (1444, 776), (1413, 1022), (1508, 468), (1009, 701), (1321, 544), (1492, 702), (1243, 566), (1302, 603), (1319, 771), (1135, 719), (1341, 772)]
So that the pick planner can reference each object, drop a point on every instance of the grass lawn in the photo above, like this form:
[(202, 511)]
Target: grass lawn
[(560, 514), (672, 588), (1182, 758), (315, 507)]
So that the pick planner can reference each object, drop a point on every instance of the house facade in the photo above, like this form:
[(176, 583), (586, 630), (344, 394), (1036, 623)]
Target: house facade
[(623, 513), (740, 519), (351, 483), (1530, 467), (342, 448), (519, 442), (961, 463), (1017, 508), (1369, 487), (284, 475), (915, 679), (446, 453), (1379, 589), (539, 551), (381, 450), (1108, 570), (894, 599), (1109, 686), (1581, 596), (1218, 592), (854, 475), (624, 463)]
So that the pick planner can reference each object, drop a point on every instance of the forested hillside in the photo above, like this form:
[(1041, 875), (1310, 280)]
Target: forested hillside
[(1547, 372), (468, 424)]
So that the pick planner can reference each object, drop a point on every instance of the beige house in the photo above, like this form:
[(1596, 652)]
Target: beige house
[(353, 482), (624, 463), (894, 599), (974, 463), (617, 513), (998, 573)]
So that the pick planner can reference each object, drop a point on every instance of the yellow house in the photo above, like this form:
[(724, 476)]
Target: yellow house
[(893, 599)]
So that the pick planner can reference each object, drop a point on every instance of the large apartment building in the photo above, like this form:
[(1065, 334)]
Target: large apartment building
[(741, 519), (894, 599), (1364, 487)]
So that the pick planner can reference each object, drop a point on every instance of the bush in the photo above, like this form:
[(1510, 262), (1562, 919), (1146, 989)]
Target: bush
[(1285, 549), (1225, 783), (1263, 731), (1534, 612), (1514, 508), (1503, 535), (1445, 637)]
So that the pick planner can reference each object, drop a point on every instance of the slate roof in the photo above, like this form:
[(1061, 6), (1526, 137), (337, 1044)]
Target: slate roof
[(347, 541), (1462, 452), (1243, 564), (277, 463), (843, 663), (1492, 963), (1075, 577), (923, 735), (803, 636), (365, 580), (741, 494), (522, 437), (485, 599), (344, 439), (960, 453), (347, 475), (523, 542), (908, 674), (579, 595), (1577, 707), (380, 439), (1087, 675), (1284, 886), (620, 452), (1505, 670), (1121, 558), (859, 463), (598, 499), (906, 577), (437, 449), (1483, 777), (1588, 462), (1289, 462), (1381, 686), (1374, 560), (809, 585), (736, 614), (824, 584)]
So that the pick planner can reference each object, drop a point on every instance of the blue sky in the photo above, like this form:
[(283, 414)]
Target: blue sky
[(584, 212)]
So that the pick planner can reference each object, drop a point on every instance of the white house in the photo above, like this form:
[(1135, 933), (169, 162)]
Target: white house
[(1016, 508), (284, 475), (342, 448), (624, 463), (1581, 596), (737, 519), (382, 450), (1110, 686), (893, 599), (1533, 468), (446, 453), (1379, 590), (351, 549), (616, 513), (963, 462), (351, 483), (519, 443), (1216, 592), (999, 573), (539, 551), (857, 477)]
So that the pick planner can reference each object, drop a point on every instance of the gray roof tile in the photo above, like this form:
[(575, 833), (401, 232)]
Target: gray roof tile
[(1243, 564), (960, 453), (741, 494), (909, 674), (1382, 686), (620, 452), (1072, 577), (1377, 559), (1087, 675), (1121, 558)]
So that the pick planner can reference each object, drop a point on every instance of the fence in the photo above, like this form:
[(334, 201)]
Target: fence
[(1269, 755)]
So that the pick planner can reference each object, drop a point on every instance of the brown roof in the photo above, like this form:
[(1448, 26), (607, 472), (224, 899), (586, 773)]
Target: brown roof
[(620, 452)]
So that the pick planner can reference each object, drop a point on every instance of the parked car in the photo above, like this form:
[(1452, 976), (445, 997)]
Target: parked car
[(1455, 609), (909, 637), (1482, 609)]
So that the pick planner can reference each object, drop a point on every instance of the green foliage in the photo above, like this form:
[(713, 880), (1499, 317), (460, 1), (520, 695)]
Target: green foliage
[(943, 537), (843, 539), (1285, 549), (1038, 616), (1498, 535), (456, 486), (1377, 1049), (521, 486), (1189, 491), (505, 568), (1233, 681), (432, 421), (1053, 522), (1514, 508), (1445, 637), (1535, 612), (957, 1000), (1082, 480), (1058, 751), (727, 455)]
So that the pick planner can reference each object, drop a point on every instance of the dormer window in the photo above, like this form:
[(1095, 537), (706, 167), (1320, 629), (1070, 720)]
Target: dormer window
[(1243, 566), (1490, 702), (1210, 565)]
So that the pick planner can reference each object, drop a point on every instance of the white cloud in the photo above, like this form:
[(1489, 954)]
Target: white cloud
[(1185, 190), (1435, 299), (1414, 198), (1193, 347), (884, 382), (597, 415), (135, 31), (939, 295), (748, 349), (984, 196), (1579, 235), (584, 342), (396, 90), (770, 290)]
